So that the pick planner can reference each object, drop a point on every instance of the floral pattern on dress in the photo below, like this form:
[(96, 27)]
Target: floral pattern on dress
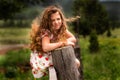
[(40, 62)]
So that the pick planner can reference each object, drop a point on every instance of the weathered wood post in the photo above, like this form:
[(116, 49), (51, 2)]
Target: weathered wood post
[(64, 63), (77, 50), (78, 55)]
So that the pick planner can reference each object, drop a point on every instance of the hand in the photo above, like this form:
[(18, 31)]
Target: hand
[(67, 43)]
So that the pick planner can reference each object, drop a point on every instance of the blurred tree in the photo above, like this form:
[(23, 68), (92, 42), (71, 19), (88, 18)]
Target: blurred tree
[(94, 45), (8, 8), (109, 33), (93, 16)]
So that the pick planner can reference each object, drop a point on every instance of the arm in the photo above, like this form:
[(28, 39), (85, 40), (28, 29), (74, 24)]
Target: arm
[(47, 46), (70, 37)]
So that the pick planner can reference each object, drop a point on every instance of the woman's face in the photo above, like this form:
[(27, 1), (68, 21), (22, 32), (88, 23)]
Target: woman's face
[(56, 21)]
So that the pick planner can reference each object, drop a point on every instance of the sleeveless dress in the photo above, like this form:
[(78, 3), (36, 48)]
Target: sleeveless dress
[(41, 62)]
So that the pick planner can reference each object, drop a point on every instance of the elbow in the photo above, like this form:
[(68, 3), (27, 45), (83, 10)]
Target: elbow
[(75, 40), (45, 49)]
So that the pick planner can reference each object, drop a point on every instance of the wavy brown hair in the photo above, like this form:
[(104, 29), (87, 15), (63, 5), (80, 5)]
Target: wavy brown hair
[(43, 22)]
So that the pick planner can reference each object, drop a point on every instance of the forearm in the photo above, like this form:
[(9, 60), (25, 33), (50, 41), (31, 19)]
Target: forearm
[(51, 46)]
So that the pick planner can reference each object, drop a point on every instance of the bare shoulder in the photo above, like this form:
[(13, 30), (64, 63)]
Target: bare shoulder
[(68, 33)]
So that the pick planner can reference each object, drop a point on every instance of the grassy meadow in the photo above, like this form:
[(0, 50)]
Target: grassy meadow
[(14, 35), (102, 65)]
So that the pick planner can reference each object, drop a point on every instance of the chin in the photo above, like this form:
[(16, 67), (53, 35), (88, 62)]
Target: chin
[(57, 28)]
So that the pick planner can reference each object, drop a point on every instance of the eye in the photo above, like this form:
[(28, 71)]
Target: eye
[(58, 19), (53, 20)]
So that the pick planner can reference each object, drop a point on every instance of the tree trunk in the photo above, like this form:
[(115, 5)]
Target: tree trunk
[(64, 63)]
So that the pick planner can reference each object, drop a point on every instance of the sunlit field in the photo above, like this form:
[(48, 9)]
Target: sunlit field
[(102, 65), (14, 35)]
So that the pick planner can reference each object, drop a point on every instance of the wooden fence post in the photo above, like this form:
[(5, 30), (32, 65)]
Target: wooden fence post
[(64, 63), (78, 55)]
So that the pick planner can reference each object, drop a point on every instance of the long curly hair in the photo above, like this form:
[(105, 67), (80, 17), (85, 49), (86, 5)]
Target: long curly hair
[(43, 22)]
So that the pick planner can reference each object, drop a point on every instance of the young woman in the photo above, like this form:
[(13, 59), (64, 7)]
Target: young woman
[(49, 31)]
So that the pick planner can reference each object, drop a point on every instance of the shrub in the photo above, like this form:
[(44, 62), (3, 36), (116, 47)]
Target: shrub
[(94, 45)]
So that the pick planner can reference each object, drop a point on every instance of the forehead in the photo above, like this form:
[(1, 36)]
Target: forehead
[(55, 15)]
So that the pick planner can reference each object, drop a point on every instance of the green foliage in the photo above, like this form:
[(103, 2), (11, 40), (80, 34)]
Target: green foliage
[(105, 64), (17, 58), (8, 8), (94, 44), (14, 35), (10, 72), (2, 58), (93, 16), (109, 33), (15, 64)]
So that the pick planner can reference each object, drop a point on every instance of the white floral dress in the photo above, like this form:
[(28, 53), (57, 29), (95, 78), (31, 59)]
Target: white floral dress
[(40, 63)]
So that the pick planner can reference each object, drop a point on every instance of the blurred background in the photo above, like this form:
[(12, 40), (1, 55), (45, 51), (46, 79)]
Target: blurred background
[(97, 31)]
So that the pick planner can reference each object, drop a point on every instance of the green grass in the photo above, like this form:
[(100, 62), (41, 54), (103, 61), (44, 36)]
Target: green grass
[(116, 33), (14, 35), (13, 63), (2, 59), (102, 65)]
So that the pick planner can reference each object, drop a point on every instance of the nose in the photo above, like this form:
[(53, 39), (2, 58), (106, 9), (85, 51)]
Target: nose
[(56, 21)]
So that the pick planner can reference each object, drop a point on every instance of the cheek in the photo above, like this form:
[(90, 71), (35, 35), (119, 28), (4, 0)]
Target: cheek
[(53, 23), (61, 22)]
